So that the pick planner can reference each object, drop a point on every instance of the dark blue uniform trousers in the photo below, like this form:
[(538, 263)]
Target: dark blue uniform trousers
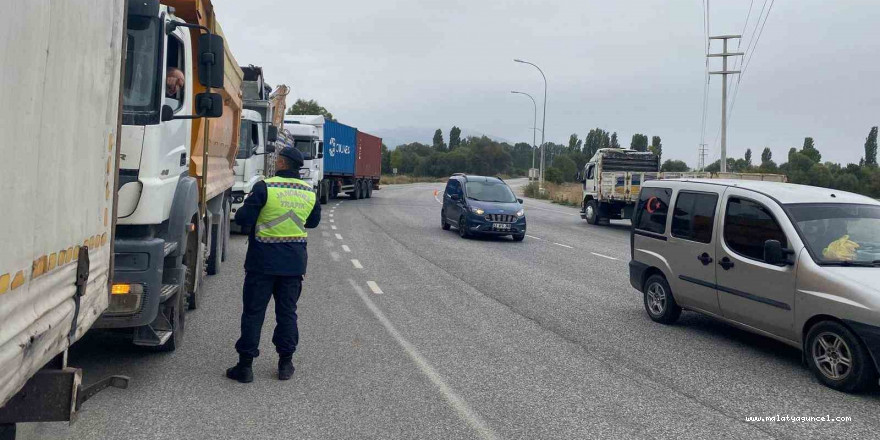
[(258, 288)]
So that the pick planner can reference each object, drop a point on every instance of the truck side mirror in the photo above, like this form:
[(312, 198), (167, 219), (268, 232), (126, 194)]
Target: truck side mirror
[(211, 60), (272, 136), (773, 253), (320, 150), (167, 113), (209, 105), (270, 148)]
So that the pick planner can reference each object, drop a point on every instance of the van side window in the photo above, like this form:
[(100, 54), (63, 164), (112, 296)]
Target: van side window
[(694, 216), (453, 187), (747, 225), (651, 210)]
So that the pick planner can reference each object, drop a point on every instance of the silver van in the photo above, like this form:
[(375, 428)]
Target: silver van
[(795, 263)]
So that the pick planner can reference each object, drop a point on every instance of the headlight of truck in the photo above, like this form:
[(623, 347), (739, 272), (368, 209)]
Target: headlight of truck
[(478, 211), (125, 298), (521, 213)]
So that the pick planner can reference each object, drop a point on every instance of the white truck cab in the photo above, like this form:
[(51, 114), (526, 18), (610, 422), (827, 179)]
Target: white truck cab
[(307, 134), (249, 162)]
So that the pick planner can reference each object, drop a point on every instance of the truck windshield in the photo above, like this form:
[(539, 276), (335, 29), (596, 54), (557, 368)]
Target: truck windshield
[(839, 234), (140, 92), (306, 147), (244, 145), (490, 192)]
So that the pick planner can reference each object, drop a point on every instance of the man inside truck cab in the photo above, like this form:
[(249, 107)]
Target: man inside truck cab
[(174, 82), (278, 211)]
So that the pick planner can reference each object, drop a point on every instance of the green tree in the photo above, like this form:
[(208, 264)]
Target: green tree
[(454, 138), (657, 146), (567, 168), (439, 145), (386, 159), (766, 155), (810, 150), (614, 142), (574, 144), (639, 142), (310, 107), (748, 157), (871, 148), (675, 166)]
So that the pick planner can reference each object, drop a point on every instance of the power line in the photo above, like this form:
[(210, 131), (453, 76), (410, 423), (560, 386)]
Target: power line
[(745, 25), (704, 113)]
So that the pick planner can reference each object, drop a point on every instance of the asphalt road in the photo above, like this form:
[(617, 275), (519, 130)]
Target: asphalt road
[(477, 338)]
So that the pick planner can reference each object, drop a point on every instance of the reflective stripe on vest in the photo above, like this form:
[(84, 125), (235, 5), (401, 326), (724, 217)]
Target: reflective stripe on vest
[(288, 204)]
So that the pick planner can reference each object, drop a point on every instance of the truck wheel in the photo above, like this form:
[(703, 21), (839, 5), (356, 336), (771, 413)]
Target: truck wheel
[(175, 311), (213, 265), (323, 192), (194, 260), (659, 302), (369, 188), (591, 212), (838, 358), (355, 191)]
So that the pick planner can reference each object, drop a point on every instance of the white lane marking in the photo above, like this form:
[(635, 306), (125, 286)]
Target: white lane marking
[(333, 227), (334, 256), (532, 236), (325, 234), (563, 245), (339, 237), (550, 210), (464, 411), (331, 215), (346, 248), (603, 256), (332, 221), (374, 287), (437, 200), (357, 264)]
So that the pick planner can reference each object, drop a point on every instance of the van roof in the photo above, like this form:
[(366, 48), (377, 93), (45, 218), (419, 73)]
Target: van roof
[(473, 178), (785, 193)]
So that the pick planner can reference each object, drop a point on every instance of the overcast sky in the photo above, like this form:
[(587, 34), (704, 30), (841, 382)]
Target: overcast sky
[(631, 66)]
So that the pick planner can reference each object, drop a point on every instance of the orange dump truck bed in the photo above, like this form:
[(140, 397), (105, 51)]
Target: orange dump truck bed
[(223, 132)]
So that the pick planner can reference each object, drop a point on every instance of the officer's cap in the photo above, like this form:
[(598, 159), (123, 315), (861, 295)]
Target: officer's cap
[(293, 155)]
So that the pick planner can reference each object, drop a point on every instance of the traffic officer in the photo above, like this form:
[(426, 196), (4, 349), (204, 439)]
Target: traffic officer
[(277, 212)]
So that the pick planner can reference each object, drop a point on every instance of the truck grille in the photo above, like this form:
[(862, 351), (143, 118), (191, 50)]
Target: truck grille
[(501, 218)]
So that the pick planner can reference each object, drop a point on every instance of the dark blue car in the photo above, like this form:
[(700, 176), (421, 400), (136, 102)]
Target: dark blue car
[(478, 205)]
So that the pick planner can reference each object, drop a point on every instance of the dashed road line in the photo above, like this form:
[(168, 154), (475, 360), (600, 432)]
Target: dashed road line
[(332, 221), (333, 227), (532, 236), (338, 236), (331, 215), (346, 248), (357, 264), (461, 407), (374, 287), (325, 234), (334, 256), (603, 256), (563, 245)]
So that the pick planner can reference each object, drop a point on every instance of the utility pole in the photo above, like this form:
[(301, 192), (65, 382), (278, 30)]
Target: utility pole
[(701, 157), (543, 123), (724, 72)]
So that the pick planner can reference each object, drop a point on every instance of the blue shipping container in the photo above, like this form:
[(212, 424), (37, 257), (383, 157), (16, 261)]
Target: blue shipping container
[(340, 142)]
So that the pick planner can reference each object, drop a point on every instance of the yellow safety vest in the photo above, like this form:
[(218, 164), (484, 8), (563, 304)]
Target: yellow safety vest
[(288, 204)]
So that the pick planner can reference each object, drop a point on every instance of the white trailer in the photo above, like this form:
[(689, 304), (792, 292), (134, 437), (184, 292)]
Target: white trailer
[(60, 76)]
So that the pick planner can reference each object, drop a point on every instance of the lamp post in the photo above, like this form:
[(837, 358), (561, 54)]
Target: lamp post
[(534, 123), (543, 122)]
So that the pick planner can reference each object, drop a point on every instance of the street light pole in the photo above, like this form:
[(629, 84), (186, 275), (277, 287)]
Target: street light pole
[(543, 122), (534, 124)]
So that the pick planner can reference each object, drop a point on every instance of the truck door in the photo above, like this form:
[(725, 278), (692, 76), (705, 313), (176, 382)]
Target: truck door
[(590, 178), (750, 290), (175, 133), (691, 247)]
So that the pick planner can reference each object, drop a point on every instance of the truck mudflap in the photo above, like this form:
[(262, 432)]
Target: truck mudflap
[(138, 265)]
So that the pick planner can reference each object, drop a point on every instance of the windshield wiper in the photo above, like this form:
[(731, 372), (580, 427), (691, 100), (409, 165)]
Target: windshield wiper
[(474, 198)]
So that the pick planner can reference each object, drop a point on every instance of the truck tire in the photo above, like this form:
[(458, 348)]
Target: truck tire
[(369, 188), (591, 212), (227, 227), (324, 192), (213, 266), (194, 261), (355, 191), (175, 311)]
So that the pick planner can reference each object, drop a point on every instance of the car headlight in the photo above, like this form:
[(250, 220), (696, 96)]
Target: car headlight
[(521, 213), (478, 211)]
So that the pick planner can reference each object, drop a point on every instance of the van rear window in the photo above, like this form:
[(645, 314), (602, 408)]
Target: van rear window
[(652, 210), (694, 216)]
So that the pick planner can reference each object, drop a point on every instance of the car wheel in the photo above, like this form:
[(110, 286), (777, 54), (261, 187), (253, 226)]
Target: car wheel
[(443, 223), (462, 228), (519, 237), (591, 212), (659, 302), (838, 358)]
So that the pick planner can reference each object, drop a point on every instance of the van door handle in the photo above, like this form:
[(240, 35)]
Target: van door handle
[(705, 259), (725, 263)]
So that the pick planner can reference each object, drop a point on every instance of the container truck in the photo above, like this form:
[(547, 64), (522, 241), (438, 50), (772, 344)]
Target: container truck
[(61, 73), (332, 164), (613, 177), (177, 151)]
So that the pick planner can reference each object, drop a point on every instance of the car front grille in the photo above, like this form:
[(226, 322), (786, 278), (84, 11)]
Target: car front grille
[(500, 218)]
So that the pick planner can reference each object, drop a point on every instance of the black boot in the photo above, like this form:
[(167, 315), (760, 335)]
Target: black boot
[(243, 371), (285, 367)]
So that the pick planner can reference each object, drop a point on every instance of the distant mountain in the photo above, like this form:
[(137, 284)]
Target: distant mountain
[(392, 137)]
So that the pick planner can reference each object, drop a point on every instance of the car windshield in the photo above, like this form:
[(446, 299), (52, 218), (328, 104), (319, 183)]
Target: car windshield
[(840, 234), (490, 192)]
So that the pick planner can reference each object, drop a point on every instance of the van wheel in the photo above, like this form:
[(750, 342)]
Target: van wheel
[(659, 302), (443, 223), (838, 358), (591, 212), (462, 228), (519, 237)]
